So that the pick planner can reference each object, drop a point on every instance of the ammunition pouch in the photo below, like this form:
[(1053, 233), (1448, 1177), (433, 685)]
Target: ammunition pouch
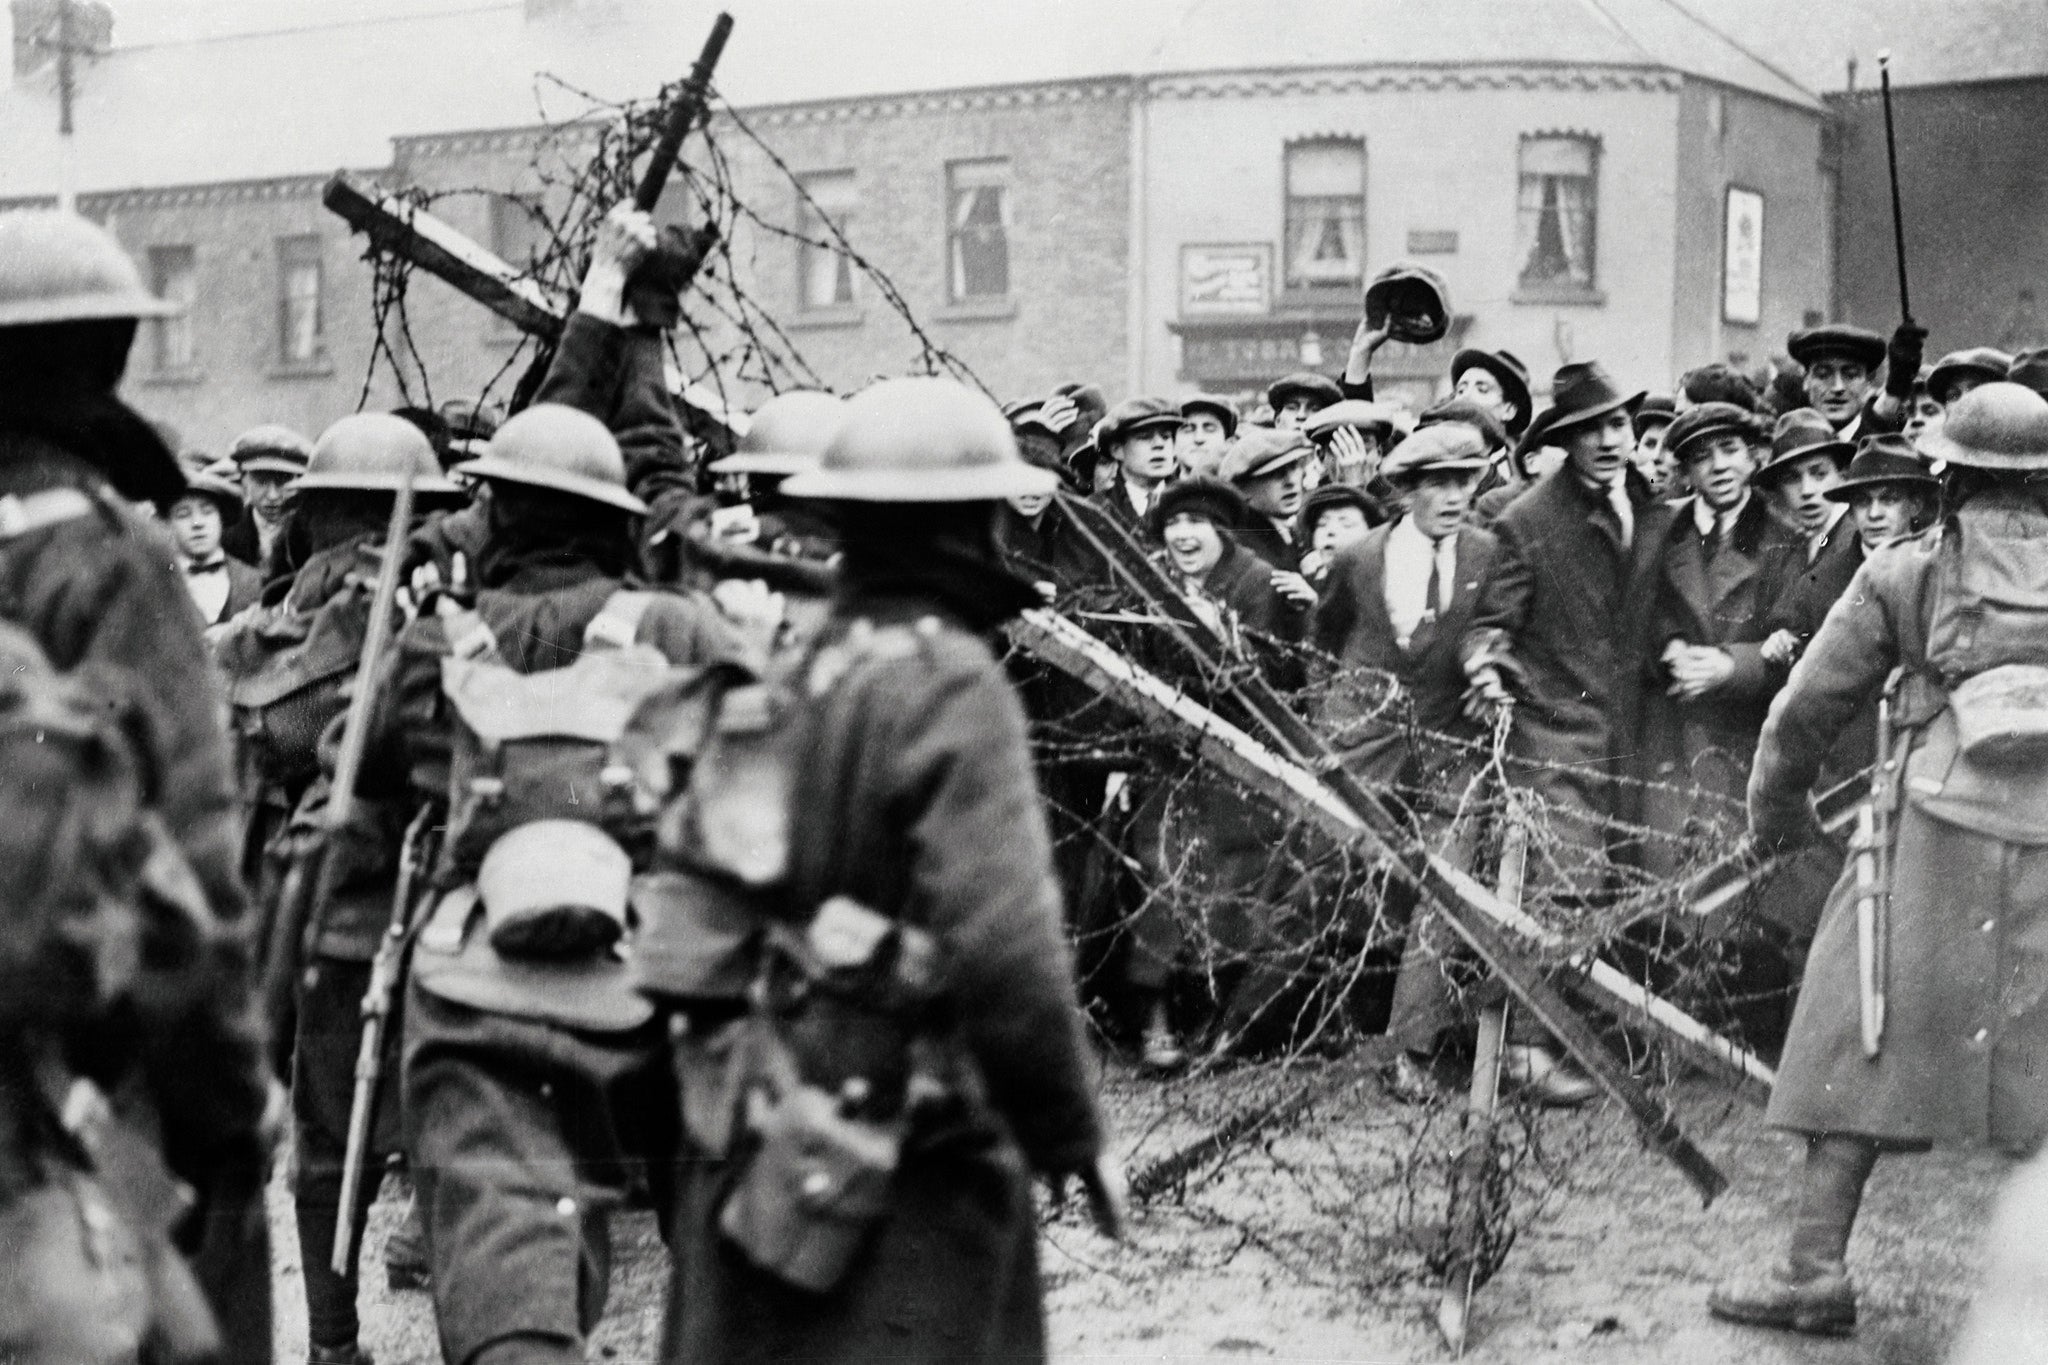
[(2002, 715)]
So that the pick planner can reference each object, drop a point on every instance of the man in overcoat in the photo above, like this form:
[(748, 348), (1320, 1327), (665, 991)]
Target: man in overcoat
[(1958, 1052)]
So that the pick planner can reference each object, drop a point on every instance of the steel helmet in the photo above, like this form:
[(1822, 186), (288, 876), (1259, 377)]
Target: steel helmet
[(922, 440), (788, 434), (552, 446), (59, 267), (370, 452), (1993, 426)]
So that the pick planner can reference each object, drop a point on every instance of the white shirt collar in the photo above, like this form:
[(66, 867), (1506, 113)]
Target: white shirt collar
[(1410, 555), (1706, 519)]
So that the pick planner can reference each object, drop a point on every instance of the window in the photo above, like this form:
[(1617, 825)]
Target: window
[(978, 229), (825, 274), (1326, 214), (173, 278), (1555, 214), (299, 340)]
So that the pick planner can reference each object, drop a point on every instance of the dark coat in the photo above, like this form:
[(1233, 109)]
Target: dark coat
[(1117, 503), (1566, 609), (1351, 624), (919, 803), (1264, 539), (1966, 1035), (1696, 754), (1048, 550)]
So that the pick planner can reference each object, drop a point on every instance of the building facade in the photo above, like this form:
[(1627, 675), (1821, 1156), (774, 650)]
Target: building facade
[(1194, 204)]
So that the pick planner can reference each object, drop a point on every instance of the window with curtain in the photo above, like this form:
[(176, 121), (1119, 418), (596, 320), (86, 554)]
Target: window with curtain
[(978, 229), (825, 274), (300, 339), (1555, 218), (1325, 214), (174, 279)]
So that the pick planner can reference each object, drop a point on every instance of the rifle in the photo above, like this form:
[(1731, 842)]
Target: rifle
[(1455, 894), (667, 270), (311, 885), (386, 970)]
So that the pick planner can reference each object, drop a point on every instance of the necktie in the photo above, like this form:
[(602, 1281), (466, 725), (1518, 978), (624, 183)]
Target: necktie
[(1433, 594), (214, 565), (1624, 511)]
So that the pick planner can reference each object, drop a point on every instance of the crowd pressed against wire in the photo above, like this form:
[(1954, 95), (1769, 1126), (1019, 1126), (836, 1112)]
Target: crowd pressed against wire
[(738, 871)]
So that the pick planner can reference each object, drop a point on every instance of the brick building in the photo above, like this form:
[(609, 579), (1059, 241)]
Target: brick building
[(1190, 197)]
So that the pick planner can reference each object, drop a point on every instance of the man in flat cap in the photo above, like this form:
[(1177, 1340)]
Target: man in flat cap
[(1841, 364), (1137, 437)]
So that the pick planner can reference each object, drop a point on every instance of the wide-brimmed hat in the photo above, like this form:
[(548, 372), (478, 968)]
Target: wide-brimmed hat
[(271, 449), (1224, 410), (1319, 389), (1837, 338), (1995, 426), (1579, 394), (1413, 298), (1886, 458), (1800, 433), (213, 479), (1512, 375), (924, 439), (1134, 415), (1447, 445), (1212, 498), (1384, 418), (1705, 422), (1987, 363), (1259, 451)]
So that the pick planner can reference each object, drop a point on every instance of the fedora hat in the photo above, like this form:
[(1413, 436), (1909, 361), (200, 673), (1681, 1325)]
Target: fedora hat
[(1887, 458), (1509, 371), (1837, 338), (1705, 422), (1800, 433), (1579, 394), (1411, 300), (1984, 362), (1997, 426)]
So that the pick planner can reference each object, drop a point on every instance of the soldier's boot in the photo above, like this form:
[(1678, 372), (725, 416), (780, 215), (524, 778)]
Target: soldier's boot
[(1810, 1292), (405, 1251)]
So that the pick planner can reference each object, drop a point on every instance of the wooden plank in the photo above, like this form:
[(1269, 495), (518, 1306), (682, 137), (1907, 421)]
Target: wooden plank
[(403, 229)]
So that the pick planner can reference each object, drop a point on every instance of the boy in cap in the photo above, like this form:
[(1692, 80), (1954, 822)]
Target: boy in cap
[(1136, 441), (1958, 372), (267, 458), (1396, 606), (1332, 517), (1297, 397), (1653, 458), (221, 587), (1266, 465), (1351, 436), (1806, 460)]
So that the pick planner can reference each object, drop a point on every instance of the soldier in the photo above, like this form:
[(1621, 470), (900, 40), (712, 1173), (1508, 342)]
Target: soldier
[(1942, 1044), (535, 1093), (94, 584), (917, 821), (340, 511)]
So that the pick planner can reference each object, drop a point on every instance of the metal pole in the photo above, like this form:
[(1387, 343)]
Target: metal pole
[(1891, 152)]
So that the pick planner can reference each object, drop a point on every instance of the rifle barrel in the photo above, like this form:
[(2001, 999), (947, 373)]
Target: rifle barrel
[(689, 106)]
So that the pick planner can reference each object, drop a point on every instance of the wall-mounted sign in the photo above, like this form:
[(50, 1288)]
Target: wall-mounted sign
[(1218, 281), (1742, 257)]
